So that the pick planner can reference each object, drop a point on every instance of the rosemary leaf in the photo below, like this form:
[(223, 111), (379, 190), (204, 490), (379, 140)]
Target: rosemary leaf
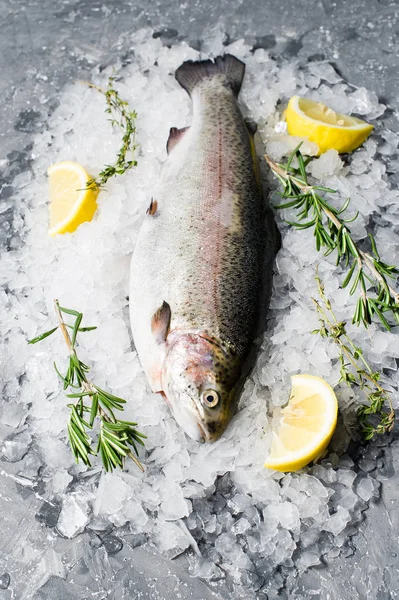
[(116, 437), (81, 329), (94, 409), (69, 311), (332, 234), (76, 328), (43, 336), (376, 416)]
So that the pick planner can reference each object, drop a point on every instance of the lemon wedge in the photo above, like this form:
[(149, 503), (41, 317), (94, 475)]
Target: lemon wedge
[(306, 426), (71, 203), (322, 125)]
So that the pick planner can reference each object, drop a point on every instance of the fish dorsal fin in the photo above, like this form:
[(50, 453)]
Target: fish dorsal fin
[(152, 209), (174, 136), (160, 322)]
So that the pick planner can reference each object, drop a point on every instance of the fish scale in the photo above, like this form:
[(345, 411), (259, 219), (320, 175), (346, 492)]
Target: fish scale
[(198, 265)]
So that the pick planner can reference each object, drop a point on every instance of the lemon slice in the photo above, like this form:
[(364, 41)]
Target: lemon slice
[(306, 426), (322, 125), (71, 203)]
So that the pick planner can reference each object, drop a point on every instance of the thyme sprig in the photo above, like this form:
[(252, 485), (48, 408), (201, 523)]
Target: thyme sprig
[(91, 404), (365, 270), (125, 119), (376, 415)]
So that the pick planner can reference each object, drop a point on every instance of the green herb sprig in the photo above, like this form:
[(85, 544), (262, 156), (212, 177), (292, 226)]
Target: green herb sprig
[(376, 416), (116, 438), (364, 269), (125, 119)]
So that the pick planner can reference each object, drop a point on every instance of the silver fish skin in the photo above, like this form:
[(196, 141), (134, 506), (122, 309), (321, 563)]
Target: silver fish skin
[(203, 253)]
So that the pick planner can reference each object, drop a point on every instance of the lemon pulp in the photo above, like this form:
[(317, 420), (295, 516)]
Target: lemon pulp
[(71, 202), (306, 425), (325, 127)]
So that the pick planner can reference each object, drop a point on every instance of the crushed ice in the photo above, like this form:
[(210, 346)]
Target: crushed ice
[(246, 521)]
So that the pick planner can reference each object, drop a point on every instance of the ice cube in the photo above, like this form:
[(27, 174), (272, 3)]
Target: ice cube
[(311, 485), (365, 488), (241, 526), (226, 545), (170, 537), (324, 71), (16, 446), (111, 494), (328, 164), (55, 453), (238, 503), (327, 474), (365, 102), (338, 521), (73, 517), (13, 414), (60, 481), (367, 464), (282, 145), (285, 512), (308, 559), (347, 498), (206, 569), (134, 512), (346, 477), (173, 504), (210, 526)]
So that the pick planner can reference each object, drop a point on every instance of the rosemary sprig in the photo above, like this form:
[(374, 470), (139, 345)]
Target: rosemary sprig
[(116, 438), (125, 119), (364, 269), (376, 416)]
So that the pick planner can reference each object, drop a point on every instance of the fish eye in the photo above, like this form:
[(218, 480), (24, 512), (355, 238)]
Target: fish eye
[(210, 398)]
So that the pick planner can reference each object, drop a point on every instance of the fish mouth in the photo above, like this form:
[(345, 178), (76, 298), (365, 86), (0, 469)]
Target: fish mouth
[(202, 433), (189, 422), (190, 419), (193, 425)]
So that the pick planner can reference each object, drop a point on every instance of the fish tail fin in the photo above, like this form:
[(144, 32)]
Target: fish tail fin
[(191, 73)]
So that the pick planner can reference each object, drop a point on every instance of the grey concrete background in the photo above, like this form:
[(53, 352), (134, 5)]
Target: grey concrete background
[(47, 43)]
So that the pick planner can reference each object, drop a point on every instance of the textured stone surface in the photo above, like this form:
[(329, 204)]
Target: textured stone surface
[(47, 43)]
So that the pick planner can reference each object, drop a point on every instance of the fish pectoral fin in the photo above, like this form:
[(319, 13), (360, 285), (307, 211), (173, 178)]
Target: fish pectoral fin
[(160, 322), (174, 136)]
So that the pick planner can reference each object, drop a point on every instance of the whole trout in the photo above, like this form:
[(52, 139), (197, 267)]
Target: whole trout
[(203, 253)]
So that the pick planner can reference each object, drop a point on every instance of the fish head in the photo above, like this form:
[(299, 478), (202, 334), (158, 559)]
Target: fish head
[(200, 383)]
